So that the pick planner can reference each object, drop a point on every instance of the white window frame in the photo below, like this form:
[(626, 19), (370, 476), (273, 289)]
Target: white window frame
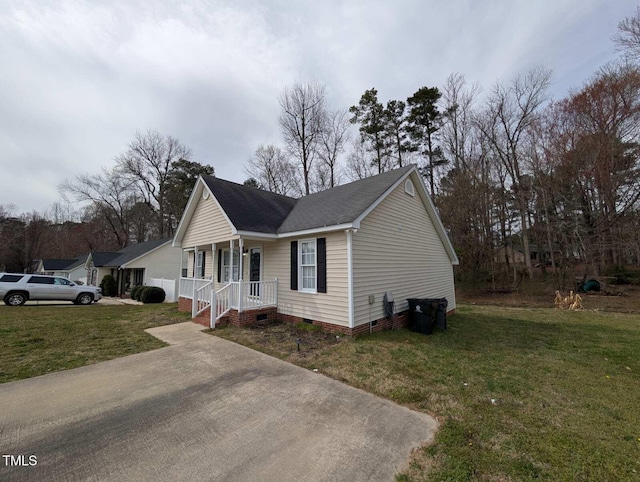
[(301, 287), (409, 188), (229, 269)]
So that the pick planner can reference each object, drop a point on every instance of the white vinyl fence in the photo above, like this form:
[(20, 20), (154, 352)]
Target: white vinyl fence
[(168, 285)]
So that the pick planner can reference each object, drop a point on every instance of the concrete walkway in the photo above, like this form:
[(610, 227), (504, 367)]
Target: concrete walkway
[(202, 409)]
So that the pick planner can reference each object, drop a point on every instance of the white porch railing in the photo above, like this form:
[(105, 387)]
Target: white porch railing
[(201, 299), (189, 285), (221, 302), (258, 294), (248, 295)]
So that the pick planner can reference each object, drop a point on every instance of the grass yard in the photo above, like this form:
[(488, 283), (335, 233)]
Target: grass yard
[(520, 393), (35, 340)]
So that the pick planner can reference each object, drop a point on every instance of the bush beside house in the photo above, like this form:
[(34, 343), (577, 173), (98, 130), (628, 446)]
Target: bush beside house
[(152, 294), (109, 286), (136, 291)]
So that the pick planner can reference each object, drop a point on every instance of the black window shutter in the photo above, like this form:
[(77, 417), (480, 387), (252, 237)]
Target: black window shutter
[(321, 244), (294, 265), (195, 263), (219, 265), (204, 257)]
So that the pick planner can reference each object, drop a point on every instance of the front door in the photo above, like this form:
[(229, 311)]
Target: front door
[(255, 261)]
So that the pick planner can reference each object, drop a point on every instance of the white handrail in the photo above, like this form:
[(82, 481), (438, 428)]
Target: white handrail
[(201, 298), (220, 303), (188, 285)]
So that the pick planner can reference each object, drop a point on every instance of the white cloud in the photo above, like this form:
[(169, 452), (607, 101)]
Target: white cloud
[(79, 77)]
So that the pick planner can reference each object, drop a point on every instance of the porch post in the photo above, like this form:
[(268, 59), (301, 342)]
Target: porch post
[(231, 246), (240, 267), (195, 263), (214, 265)]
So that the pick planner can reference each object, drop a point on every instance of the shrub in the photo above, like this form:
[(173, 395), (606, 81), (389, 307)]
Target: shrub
[(109, 286), (136, 291), (152, 294)]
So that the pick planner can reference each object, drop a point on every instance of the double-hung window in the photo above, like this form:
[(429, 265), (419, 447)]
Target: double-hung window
[(230, 266), (308, 265)]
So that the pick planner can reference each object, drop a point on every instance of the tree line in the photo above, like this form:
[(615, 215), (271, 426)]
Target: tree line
[(521, 181), (140, 198)]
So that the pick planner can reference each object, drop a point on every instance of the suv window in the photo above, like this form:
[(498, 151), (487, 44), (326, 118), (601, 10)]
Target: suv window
[(43, 280), (11, 278), (62, 281)]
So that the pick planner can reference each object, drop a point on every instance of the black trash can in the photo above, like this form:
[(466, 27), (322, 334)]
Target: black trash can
[(441, 313), (422, 315), (425, 313)]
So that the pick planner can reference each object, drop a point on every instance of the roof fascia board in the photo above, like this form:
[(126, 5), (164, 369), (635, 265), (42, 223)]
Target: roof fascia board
[(188, 212), (323, 229), (435, 217), (254, 234), (358, 220)]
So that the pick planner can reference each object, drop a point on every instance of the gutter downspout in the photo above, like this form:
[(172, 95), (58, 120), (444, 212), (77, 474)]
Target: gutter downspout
[(350, 233)]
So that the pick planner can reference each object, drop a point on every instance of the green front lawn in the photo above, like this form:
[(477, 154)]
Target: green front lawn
[(35, 340), (521, 394)]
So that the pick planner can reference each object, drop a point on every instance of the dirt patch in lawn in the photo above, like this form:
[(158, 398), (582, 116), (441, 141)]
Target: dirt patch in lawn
[(300, 344)]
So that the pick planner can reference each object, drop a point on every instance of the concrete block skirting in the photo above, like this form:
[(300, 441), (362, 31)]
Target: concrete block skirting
[(246, 318)]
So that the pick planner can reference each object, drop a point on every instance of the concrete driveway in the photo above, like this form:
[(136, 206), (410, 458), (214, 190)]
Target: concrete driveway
[(201, 409)]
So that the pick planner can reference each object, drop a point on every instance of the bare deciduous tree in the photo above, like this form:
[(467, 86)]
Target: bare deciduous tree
[(302, 121), (628, 37), (509, 112), (111, 193), (333, 138), (272, 171), (147, 163)]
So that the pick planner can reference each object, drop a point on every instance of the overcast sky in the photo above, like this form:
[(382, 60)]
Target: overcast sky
[(78, 78)]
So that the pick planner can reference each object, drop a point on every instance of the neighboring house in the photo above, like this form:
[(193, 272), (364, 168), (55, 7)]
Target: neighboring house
[(135, 264), (72, 269), (327, 258)]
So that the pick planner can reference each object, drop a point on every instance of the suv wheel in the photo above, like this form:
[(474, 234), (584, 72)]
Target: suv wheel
[(15, 299), (84, 299)]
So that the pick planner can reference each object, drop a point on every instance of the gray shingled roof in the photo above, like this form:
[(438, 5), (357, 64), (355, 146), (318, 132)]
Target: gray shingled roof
[(250, 209), (255, 210), (136, 250), (57, 264), (103, 258), (125, 255), (342, 204)]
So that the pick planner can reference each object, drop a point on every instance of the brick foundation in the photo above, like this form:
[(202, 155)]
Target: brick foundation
[(250, 317), (246, 318), (401, 320), (184, 304)]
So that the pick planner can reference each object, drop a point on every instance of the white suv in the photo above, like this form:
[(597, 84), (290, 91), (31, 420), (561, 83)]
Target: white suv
[(16, 289)]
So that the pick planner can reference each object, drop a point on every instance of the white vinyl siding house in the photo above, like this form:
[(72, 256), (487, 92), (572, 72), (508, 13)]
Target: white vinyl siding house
[(208, 224), (397, 249), (329, 307), (320, 257), (135, 264)]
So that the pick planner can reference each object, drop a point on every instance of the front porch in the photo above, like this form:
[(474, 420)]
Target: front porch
[(239, 301)]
